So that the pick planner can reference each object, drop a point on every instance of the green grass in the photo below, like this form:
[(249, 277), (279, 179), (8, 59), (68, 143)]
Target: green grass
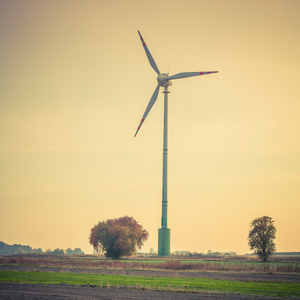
[(275, 289), (156, 263), (233, 266)]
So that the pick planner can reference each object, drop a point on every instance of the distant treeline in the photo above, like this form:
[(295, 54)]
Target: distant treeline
[(209, 253), (214, 254), (287, 253), (6, 249), (189, 253)]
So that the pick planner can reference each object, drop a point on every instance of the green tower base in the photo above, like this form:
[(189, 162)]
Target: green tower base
[(163, 242)]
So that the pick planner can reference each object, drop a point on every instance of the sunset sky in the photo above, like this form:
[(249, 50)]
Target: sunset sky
[(75, 82)]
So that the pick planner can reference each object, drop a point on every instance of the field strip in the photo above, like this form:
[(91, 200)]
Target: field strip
[(275, 289), (236, 276)]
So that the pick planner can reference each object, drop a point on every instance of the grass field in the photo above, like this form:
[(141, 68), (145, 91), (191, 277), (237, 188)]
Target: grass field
[(274, 289), (93, 262)]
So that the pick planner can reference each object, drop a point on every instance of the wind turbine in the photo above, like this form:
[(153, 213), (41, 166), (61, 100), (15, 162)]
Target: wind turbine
[(163, 80)]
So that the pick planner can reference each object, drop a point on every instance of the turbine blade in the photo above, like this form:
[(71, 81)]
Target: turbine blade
[(150, 58), (189, 74), (150, 104)]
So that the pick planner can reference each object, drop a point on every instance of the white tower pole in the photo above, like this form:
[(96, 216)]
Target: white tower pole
[(164, 219), (164, 231)]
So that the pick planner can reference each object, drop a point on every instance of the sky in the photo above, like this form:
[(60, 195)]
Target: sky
[(75, 82)]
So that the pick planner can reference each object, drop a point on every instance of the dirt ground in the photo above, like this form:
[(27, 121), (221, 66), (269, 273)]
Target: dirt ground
[(17, 291)]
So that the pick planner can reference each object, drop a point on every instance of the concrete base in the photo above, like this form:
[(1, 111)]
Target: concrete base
[(163, 242)]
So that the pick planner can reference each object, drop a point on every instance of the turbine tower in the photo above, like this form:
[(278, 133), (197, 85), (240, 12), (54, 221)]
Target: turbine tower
[(163, 80)]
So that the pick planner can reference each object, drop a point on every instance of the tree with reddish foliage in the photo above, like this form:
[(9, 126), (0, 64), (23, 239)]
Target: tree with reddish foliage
[(261, 237), (118, 237)]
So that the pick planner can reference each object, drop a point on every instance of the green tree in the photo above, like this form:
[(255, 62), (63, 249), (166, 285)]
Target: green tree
[(69, 251), (261, 237), (58, 251), (76, 251), (118, 237)]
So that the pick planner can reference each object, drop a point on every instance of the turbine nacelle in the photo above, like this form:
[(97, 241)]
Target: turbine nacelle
[(163, 80)]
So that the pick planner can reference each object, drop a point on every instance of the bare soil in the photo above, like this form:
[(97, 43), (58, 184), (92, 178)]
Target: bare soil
[(17, 291)]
